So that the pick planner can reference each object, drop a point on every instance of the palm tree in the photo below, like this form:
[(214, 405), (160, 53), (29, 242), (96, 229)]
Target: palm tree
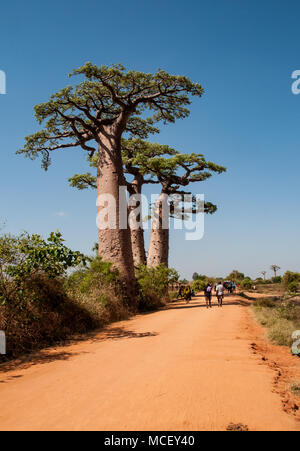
[(275, 268)]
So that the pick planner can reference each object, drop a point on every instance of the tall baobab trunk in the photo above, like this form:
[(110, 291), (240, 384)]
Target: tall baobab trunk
[(135, 221), (114, 238), (159, 242)]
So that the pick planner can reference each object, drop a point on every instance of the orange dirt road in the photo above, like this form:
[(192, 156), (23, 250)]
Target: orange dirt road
[(183, 368)]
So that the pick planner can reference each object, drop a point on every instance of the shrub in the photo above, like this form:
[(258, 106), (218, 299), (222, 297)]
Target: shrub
[(97, 288), (277, 279), (293, 287), (40, 305), (290, 277), (247, 284), (27, 256), (153, 286), (199, 285), (280, 318)]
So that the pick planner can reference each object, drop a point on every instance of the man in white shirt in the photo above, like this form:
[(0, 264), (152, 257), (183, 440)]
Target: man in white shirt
[(220, 290)]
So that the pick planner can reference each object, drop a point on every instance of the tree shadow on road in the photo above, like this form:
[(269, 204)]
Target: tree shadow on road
[(49, 355), (26, 361), (183, 305)]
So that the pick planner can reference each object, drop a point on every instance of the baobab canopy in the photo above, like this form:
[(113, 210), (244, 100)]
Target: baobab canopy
[(108, 95)]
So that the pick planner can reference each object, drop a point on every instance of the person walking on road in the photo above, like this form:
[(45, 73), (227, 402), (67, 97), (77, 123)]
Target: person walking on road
[(187, 292), (208, 293), (220, 290)]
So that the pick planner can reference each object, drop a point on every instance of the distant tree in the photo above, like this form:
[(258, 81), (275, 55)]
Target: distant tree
[(275, 268), (236, 275), (264, 273), (197, 276)]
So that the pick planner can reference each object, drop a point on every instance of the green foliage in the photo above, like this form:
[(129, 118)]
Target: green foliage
[(107, 94), (83, 181), (236, 276), (199, 284), (197, 276), (293, 287), (247, 283), (98, 272), (153, 285), (277, 279), (27, 255), (289, 278)]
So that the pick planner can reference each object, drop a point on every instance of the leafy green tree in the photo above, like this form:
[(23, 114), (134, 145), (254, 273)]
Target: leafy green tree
[(94, 115)]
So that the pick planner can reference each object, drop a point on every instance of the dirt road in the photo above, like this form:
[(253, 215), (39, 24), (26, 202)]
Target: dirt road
[(184, 368)]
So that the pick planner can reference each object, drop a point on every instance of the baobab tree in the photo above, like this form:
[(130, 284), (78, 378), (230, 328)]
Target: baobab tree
[(94, 115), (133, 152), (264, 273), (275, 268), (174, 173)]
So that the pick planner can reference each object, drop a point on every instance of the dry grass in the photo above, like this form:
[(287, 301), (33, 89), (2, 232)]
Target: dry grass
[(281, 318)]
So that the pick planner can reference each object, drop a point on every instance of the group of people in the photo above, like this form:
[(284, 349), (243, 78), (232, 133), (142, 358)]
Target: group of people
[(186, 292), (220, 288)]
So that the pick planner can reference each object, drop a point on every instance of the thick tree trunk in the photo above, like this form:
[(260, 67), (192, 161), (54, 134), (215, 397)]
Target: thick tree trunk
[(135, 222), (114, 238), (138, 247), (159, 242)]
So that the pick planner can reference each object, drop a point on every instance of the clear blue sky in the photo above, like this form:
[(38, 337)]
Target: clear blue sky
[(243, 52)]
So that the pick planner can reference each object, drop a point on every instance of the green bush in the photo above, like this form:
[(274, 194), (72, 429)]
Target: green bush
[(40, 305), (290, 277), (293, 287), (277, 279), (27, 256), (246, 284), (153, 285), (199, 285)]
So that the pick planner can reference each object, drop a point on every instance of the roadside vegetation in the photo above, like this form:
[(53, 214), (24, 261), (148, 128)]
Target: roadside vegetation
[(49, 292), (281, 313)]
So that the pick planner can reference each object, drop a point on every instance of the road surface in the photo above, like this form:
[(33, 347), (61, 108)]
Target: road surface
[(183, 368)]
